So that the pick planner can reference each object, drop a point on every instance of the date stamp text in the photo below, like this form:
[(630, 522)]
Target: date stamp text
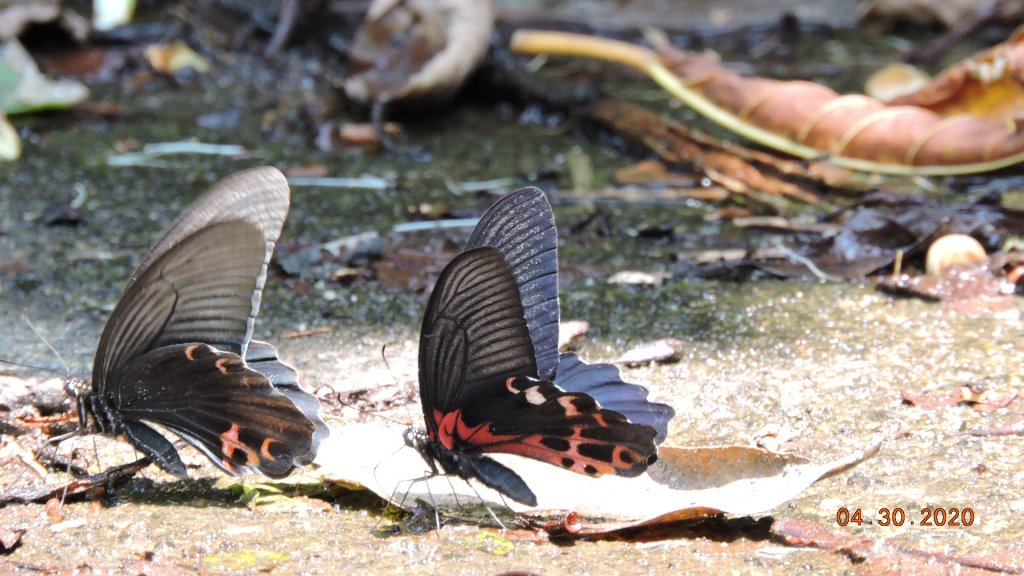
[(900, 517)]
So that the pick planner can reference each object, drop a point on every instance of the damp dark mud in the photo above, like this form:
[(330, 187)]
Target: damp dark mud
[(822, 364)]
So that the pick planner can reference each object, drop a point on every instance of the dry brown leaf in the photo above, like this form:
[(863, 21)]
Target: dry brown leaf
[(957, 284), (417, 50), (17, 16), (853, 126), (927, 12), (989, 85), (882, 557), (684, 483), (651, 172), (976, 396), (729, 166), (409, 269)]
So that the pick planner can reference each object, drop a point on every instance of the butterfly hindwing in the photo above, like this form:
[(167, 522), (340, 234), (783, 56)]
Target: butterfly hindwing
[(228, 410), (262, 357), (535, 418), (521, 226), (603, 383)]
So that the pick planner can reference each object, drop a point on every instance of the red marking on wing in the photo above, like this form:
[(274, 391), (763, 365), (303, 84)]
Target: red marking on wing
[(624, 460), (229, 442), (453, 431)]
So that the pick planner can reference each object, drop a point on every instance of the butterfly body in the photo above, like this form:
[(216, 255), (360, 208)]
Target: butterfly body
[(469, 465), (178, 351)]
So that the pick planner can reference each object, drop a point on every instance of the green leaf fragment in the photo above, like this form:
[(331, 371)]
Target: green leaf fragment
[(24, 89)]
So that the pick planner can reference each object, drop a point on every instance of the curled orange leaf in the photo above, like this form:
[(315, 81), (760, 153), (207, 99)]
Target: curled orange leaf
[(989, 85), (806, 119)]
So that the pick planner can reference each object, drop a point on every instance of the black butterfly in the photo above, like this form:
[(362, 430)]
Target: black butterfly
[(178, 349), (491, 377)]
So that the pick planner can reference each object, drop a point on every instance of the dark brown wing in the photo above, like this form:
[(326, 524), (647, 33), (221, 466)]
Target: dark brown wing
[(203, 278), (212, 399)]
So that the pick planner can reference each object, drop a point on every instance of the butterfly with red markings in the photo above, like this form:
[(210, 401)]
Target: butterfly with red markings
[(491, 377), (178, 349)]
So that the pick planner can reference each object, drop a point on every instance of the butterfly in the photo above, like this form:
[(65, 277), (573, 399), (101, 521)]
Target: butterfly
[(492, 380), (178, 351)]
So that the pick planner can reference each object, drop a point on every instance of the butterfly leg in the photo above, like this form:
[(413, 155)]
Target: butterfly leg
[(486, 507), (433, 503)]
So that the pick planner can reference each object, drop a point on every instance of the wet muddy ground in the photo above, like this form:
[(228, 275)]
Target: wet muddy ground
[(826, 362)]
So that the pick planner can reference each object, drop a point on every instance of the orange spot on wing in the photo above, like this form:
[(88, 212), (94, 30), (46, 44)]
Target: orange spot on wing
[(229, 442), (571, 410), (265, 449), (190, 352)]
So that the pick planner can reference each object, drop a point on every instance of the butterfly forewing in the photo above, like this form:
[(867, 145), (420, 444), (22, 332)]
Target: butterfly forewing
[(253, 204), (199, 292), (521, 226), (473, 336)]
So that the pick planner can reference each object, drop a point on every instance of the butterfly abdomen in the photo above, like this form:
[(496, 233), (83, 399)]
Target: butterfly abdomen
[(471, 465)]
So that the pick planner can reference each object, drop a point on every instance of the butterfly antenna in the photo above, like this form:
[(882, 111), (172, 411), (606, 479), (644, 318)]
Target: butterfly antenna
[(33, 367), (384, 357), (338, 399), (24, 317)]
